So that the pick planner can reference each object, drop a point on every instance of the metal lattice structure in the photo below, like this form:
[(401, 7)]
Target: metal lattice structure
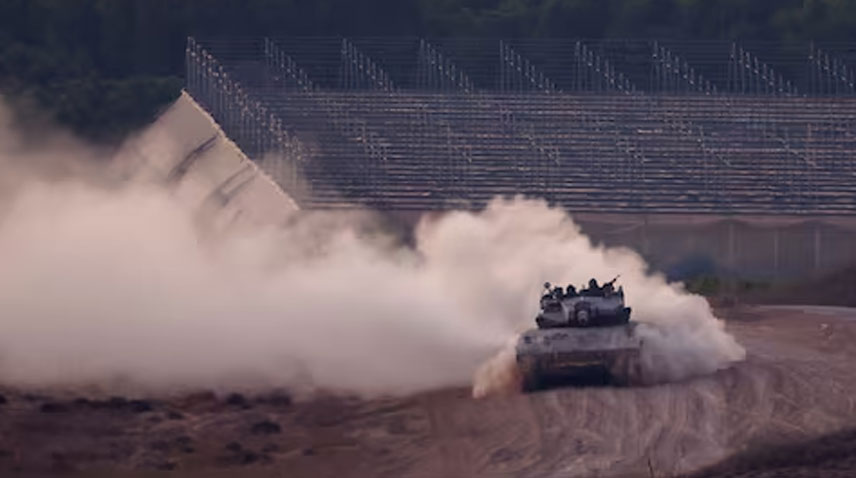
[(607, 126)]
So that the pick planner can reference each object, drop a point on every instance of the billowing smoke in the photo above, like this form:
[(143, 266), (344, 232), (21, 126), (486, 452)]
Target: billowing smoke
[(116, 287)]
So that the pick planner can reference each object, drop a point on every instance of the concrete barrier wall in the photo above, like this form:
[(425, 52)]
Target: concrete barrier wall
[(186, 149), (751, 247)]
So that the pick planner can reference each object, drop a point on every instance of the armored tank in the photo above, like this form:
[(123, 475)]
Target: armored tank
[(583, 337)]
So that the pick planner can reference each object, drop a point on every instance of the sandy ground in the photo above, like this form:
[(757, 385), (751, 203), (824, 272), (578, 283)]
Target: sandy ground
[(798, 382)]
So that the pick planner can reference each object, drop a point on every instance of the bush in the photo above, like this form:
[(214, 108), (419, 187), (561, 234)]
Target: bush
[(706, 286)]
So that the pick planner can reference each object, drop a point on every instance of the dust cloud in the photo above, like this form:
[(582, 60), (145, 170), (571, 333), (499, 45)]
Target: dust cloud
[(109, 282)]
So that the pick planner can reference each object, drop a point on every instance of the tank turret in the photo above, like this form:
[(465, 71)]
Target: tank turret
[(594, 306)]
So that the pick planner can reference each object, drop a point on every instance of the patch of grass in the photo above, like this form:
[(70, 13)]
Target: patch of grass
[(711, 286), (705, 285)]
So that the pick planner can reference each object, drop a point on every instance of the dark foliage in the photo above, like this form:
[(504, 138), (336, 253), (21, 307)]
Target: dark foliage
[(104, 67), (835, 289)]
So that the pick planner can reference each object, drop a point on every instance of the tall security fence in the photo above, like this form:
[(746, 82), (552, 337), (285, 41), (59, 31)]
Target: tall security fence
[(566, 65), (606, 126), (259, 132)]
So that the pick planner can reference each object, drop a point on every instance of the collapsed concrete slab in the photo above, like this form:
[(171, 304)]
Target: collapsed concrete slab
[(186, 150)]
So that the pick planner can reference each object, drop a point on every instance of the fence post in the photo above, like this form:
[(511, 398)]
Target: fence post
[(817, 248)]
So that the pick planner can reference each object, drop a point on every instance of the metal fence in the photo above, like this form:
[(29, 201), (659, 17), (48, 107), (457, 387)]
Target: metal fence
[(565, 65), (246, 120), (625, 126)]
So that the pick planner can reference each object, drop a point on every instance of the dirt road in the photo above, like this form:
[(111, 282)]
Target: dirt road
[(797, 382)]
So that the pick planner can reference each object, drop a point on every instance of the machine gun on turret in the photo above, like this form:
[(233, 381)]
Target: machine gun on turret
[(609, 287)]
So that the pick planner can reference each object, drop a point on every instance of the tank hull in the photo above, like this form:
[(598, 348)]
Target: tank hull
[(579, 356)]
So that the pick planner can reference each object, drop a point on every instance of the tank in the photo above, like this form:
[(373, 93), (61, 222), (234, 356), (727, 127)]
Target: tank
[(583, 337)]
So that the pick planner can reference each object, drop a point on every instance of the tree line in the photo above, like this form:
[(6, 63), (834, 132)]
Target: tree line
[(103, 67)]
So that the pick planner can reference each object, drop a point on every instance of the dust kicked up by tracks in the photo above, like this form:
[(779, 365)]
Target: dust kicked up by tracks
[(797, 382)]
